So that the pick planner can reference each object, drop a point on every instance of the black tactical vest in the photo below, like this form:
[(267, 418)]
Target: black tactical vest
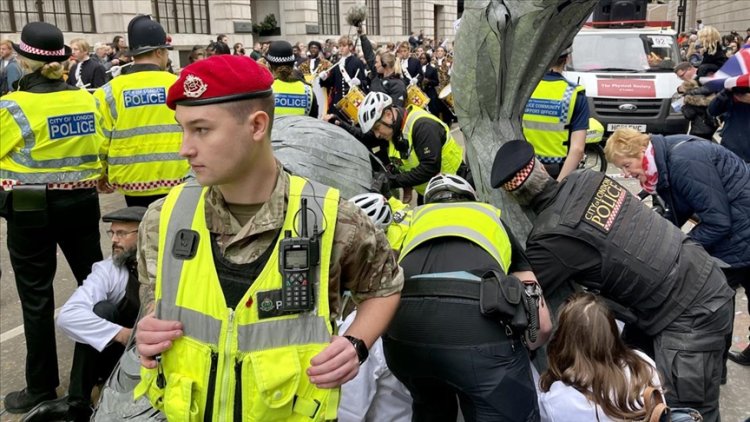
[(640, 250)]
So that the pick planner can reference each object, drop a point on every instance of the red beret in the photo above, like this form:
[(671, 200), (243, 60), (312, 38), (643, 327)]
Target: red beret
[(220, 79)]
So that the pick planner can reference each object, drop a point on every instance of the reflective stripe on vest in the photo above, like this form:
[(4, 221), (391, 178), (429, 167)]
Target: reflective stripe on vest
[(269, 349), (479, 223), (547, 117), (292, 98), (452, 154), (60, 144), (143, 153)]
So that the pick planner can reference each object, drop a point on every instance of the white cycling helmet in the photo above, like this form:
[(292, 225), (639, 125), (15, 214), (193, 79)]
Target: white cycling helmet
[(371, 110), (376, 207), (447, 188)]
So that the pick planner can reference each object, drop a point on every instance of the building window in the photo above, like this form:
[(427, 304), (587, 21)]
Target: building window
[(68, 15), (406, 16), (373, 17), (183, 16), (328, 16)]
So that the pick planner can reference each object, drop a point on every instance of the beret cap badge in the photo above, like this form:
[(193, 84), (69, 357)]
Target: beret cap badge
[(194, 86)]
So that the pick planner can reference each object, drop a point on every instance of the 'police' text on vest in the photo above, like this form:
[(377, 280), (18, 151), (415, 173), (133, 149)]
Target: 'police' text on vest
[(291, 100), (71, 125), (144, 97)]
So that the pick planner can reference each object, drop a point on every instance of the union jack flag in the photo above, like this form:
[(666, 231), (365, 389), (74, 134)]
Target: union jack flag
[(734, 73)]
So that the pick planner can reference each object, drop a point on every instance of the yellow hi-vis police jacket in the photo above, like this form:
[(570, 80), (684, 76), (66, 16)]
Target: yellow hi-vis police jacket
[(247, 363), (452, 154), (53, 137), (474, 221), (547, 118), (292, 98), (396, 232), (144, 139)]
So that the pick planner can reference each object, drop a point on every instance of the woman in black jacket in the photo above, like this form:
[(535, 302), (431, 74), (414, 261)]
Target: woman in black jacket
[(428, 81)]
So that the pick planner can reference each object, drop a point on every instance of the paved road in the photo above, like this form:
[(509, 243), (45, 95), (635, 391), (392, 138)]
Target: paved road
[(735, 406)]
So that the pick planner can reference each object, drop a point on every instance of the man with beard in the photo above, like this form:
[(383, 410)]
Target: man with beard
[(99, 316)]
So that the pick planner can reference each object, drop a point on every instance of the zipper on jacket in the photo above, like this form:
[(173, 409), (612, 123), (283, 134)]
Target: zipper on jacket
[(227, 372), (238, 391), (211, 391)]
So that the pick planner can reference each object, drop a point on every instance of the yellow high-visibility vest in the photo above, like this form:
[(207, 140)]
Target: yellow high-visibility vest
[(143, 137), (292, 98), (250, 360), (51, 137), (474, 221), (452, 154), (547, 118)]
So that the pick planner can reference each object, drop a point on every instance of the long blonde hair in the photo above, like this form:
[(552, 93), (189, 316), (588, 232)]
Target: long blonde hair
[(53, 70), (587, 354), (710, 38)]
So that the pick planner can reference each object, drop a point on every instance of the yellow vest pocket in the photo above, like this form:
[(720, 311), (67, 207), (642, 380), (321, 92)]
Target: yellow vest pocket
[(178, 399)]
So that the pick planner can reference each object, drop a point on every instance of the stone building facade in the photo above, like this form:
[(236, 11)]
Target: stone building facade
[(724, 15), (196, 22)]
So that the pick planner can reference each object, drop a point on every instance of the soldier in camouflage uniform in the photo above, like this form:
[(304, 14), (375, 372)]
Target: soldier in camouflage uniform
[(225, 105)]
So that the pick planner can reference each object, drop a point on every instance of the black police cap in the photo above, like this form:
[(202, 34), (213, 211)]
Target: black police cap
[(511, 158), (134, 214), (280, 52), (144, 35)]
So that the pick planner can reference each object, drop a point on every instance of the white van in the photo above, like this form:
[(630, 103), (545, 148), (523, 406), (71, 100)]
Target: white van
[(629, 78)]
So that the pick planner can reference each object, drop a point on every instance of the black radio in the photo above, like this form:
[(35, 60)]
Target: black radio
[(297, 257)]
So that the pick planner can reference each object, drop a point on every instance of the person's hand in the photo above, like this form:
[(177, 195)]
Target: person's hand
[(155, 336), (335, 365), (323, 75), (333, 119), (103, 186), (115, 62), (355, 82), (380, 183), (413, 81), (123, 336)]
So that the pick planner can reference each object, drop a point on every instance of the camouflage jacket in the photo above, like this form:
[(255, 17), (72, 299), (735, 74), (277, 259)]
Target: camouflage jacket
[(361, 259)]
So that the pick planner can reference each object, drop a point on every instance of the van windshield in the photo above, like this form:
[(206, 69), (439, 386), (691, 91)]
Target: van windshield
[(623, 52)]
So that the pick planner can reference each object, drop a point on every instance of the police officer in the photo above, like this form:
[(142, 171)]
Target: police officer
[(556, 120), (263, 291), (421, 146), (144, 139), (439, 344), (293, 96), (590, 229), (99, 317), (49, 166)]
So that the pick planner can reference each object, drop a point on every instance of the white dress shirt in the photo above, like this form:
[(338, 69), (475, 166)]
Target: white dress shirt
[(77, 318)]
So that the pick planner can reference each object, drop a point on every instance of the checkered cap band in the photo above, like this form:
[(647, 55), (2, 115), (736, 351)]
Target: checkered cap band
[(275, 60), (520, 177), (39, 52)]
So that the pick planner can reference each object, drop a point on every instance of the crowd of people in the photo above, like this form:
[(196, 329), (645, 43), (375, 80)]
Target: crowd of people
[(249, 292)]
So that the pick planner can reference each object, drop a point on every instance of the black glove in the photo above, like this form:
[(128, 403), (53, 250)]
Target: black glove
[(380, 183)]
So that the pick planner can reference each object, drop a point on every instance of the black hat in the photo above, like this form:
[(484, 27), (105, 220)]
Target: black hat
[(280, 52), (134, 214), (514, 160), (43, 42), (312, 43), (145, 35)]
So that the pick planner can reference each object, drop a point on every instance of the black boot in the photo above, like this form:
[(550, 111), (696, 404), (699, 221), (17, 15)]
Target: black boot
[(22, 401), (742, 358), (62, 409)]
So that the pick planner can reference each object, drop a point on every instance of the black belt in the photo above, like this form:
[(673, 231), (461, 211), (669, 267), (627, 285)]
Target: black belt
[(441, 287)]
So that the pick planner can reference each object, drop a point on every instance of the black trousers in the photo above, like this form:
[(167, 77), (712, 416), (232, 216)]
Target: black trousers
[(73, 225), (91, 366), (141, 201), (445, 352)]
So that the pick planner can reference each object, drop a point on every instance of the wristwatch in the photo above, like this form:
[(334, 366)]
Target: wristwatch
[(360, 347)]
